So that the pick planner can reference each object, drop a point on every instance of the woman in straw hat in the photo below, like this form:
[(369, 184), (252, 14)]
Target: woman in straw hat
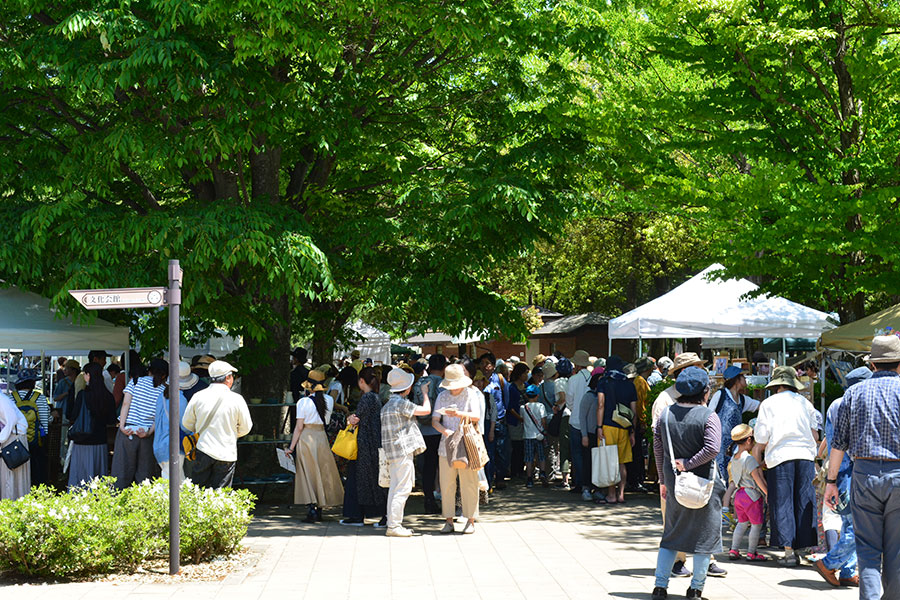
[(317, 482), (787, 433)]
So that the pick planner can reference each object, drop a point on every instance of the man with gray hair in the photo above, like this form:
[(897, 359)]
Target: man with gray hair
[(219, 416)]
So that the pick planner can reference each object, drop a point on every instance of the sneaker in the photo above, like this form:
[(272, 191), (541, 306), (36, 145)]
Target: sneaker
[(352, 522), (382, 524), (659, 593), (734, 555), (788, 561), (756, 557), (586, 496), (715, 570), (398, 532), (692, 593), (469, 528), (679, 570), (447, 528)]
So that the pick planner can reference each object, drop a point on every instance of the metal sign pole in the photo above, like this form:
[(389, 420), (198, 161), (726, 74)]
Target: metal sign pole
[(174, 302)]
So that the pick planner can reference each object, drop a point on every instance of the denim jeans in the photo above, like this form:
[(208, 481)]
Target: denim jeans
[(843, 555), (577, 458), (875, 502), (498, 465), (665, 560)]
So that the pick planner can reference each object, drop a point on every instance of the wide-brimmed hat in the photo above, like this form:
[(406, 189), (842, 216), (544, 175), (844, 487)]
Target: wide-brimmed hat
[(455, 378), (549, 370), (664, 363), (315, 381), (643, 364), (186, 379), (687, 359), (630, 371), (538, 360), (885, 349), (692, 381), (581, 358), (741, 432), (73, 364), (785, 376), (400, 380), (600, 362)]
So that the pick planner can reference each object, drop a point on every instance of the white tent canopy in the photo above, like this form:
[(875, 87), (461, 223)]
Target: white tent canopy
[(370, 341), (28, 322), (703, 308)]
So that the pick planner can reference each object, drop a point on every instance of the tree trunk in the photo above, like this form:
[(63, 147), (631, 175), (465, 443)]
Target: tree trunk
[(328, 322), (269, 365)]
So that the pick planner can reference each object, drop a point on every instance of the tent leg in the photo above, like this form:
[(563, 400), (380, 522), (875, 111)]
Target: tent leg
[(609, 352), (822, 379), (43, 374), (783, 351), (640, 348)]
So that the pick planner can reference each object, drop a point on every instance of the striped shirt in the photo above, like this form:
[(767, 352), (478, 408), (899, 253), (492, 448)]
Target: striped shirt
[(869, 418), (142, 412)]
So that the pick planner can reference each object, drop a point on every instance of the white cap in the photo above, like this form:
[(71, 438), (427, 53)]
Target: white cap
[(220, 368)]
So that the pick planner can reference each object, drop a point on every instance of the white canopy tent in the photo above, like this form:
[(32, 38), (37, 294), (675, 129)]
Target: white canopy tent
[(370, 341), (713, 308)]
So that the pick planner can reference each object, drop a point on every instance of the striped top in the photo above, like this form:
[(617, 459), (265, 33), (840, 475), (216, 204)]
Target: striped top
[(142, 412)]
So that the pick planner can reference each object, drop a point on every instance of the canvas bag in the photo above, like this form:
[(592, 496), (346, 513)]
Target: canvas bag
[(605, 466), (691, 491), (475, 449), (384, 472)]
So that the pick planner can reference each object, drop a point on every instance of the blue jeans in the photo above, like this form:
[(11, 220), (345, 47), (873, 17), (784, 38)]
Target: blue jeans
[(577, 457), (843, 555), (875, 502), (665, 560)]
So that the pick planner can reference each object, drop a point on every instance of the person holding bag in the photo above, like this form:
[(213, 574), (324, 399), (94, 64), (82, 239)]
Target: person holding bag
[(14, 482), (687, 440), (458, 401), (616, 403), (93, 409)]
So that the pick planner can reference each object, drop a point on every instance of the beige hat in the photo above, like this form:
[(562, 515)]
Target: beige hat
[(400, 380), (741, 432), (538, 360), (885, 349), (785, 376), (220, 368), (581, 358), (549, 370), (686, 359), (186, 378), (455, 378)]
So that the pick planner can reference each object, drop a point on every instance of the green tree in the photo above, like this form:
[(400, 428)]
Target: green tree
[(301, 158)]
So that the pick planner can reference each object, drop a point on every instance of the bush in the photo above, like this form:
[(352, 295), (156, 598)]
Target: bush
[(97, 530)]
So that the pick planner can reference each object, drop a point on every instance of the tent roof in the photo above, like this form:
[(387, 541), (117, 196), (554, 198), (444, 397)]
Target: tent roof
[(703, 308), (370, 341), (571, 323), (857, 336), (437, 337), (28, 322)]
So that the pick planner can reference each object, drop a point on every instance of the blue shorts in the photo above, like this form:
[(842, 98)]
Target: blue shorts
[(534, 450)]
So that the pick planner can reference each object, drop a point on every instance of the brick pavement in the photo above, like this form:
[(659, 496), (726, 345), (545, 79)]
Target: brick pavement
[(535, 544)]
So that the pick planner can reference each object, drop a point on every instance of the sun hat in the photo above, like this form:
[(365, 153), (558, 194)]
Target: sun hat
[(692, 381), (643, 364), (615, 363), (455, 378), (731, 372), (532, 391), (206, 360), (538, 360), (785, 376), (400, 380), (405, 367), (858, 375), (600, 362), (591, 360), (885, 349), (325, 368), (220, 368), (630, 371), (315, 381), (664, 363), (687, 359), (549, 370), (581, 358), (514, 359), (186, 378), (741, 432), (564, 367), (354, 354), (73, 364)]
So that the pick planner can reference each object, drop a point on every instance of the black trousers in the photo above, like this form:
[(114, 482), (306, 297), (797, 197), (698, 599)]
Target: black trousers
[(430, 465), (352, 508), (636, 469), (211, 473), (517, 458), (39, 468), (586, 459)]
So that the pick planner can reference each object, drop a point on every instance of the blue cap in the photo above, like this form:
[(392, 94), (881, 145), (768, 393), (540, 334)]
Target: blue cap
[(532, 391), (564, 367), (27, 375), (731, 372), (858, 375), (692, 381)]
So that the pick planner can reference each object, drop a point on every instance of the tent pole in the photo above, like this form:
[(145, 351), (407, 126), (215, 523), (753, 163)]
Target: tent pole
[(640, 347), (783, 351), (609, 352), (43, 374), (822, 379)]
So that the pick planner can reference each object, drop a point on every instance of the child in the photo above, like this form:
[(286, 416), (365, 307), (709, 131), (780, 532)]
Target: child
[(533, 437), (746, 477), (401, 441)]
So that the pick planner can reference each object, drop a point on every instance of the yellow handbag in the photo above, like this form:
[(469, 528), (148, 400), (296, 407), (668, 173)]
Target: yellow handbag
[(345, 443)]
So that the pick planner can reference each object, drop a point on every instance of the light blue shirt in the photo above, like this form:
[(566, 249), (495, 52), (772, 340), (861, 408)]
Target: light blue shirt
[(161, 434)]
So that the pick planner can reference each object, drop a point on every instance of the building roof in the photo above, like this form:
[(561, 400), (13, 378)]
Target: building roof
[(572, 323)]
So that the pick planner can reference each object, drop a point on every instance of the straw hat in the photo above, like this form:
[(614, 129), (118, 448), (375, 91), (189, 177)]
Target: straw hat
[(455, 378), (786, 376), (538, 360), (741, 432), (885, 349), (687, 359), (400, 380), (315, 381)]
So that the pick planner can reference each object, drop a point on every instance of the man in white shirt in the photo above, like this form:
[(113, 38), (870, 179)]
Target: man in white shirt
[(219, 416), (575, 390)]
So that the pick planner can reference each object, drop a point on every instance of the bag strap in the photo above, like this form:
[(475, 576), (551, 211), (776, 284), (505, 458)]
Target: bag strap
[(533, 420), (715, 468), (210, 417)]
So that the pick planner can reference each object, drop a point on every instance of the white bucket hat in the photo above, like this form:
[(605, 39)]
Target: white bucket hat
[(186, 378), (400, 380), (455, 378)]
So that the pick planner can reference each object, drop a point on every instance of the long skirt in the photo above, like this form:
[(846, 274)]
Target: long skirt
[(317, 480), (87, 461), (17, 482)]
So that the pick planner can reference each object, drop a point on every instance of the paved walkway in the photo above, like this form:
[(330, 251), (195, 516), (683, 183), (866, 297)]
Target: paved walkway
[(541, 544)]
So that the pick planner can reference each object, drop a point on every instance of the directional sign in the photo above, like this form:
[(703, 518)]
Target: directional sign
[(149, 297)]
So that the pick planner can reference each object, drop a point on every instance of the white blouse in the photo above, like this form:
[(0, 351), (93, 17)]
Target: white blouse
[(306, 410), (12, 421)]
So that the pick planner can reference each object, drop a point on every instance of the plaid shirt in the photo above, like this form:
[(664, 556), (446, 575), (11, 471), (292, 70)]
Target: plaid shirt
[(868, 421), (400, 435)]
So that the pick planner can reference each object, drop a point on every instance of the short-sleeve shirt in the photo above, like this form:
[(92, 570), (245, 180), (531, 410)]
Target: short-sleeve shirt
[(785, 424), (400, 435), (741, 469), (144, 396), (538, 411), (306, 410), (465, 402)]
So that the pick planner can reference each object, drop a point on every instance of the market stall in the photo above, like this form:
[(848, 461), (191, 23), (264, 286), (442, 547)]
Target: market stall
[(370, 341), (857, 336)]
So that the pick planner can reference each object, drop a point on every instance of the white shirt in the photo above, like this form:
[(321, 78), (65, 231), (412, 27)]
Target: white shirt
[(667, 397), (538, 411), (785, 424), (231, 420), (12, 421), (750, 404), (306, 410), (575, 390)]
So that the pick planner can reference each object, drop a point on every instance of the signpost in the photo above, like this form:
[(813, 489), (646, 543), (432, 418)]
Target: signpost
[(156, 297)]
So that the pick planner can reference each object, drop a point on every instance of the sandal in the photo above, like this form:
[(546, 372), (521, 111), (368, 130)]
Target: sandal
[(756, 557), (735, 555)]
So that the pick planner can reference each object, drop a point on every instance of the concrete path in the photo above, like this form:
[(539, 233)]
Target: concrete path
[(540, 544)]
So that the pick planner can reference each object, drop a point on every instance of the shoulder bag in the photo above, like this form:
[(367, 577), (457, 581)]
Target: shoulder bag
[(15, 455), (691, 491), (189, 442), (83, 427)]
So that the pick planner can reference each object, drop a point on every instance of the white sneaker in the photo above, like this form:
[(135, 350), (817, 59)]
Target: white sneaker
[(469, 528), (350, 523), (586, 496), (398, 532)]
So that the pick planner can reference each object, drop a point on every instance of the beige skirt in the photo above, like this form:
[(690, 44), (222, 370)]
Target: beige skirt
[(15, 483), (317, 480)]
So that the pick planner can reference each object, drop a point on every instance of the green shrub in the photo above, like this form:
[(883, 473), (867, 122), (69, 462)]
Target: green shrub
[(97, 530)]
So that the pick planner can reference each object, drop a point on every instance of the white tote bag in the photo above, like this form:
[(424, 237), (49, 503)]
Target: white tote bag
[(691, 491), (384, 472), (605, 466)]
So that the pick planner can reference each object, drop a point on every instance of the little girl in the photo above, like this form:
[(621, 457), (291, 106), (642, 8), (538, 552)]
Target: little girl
[(746, 477)]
